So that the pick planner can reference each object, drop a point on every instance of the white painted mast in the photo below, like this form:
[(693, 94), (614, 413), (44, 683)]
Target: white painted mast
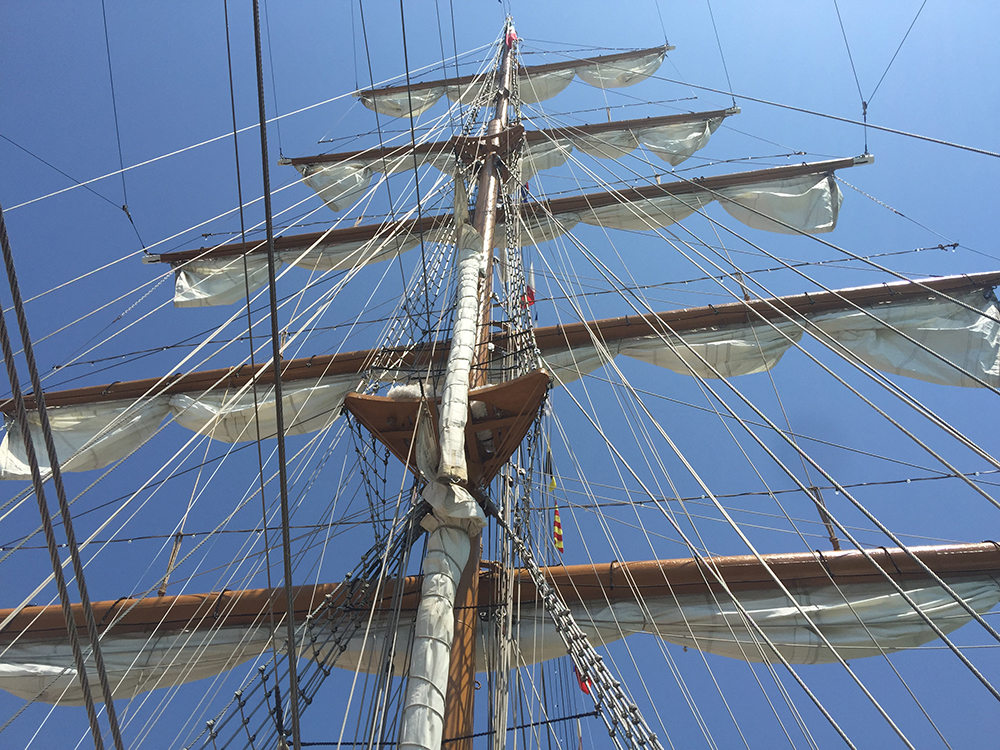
[(456, 521)]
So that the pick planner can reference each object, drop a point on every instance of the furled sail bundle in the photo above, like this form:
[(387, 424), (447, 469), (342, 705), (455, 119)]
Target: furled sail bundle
[(944, 331), (790, 200), (341, 179), (535, 83), (701, 603)]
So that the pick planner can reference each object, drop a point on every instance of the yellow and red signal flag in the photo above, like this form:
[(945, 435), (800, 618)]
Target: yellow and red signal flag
[(557, 531)]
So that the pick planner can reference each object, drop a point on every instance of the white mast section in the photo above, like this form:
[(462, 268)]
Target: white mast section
[(457, 517)]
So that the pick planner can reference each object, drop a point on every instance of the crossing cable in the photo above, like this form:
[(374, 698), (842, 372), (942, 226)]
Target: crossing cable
[(803, 110), (36, 476), (118, 134), (293, 688), (249, 318), (718, 42), (894, 54), (937, 579), (620, 714), (864, 104)]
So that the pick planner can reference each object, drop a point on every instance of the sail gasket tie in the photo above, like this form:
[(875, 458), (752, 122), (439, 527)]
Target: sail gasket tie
[(111, 609), (889, 555), (825, 564), (218, 602)]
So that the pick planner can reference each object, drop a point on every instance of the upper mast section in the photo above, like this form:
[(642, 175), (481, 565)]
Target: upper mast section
[(471, 447), (469, 354), (484, 220)]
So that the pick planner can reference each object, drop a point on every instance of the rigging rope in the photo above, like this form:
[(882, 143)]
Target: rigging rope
[(37, 481), (292, 656), (118, 135)]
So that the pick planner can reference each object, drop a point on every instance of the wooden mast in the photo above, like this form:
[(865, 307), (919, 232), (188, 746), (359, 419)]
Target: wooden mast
[(460, 697)]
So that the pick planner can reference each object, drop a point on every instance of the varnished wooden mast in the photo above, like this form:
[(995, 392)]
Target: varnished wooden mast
[(460, 698)]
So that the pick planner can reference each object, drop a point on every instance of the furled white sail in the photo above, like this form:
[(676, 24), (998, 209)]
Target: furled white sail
[(880, 336), (91, 436), (342, 182), (534, 85), (809, 203), (231, 417), (86, 437), (962, 337), (858, 619), (45, 670), (411, 103), (218, 281), (221, 281), (949, 338)]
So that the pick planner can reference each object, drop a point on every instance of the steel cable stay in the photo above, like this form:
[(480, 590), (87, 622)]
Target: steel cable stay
[(721, 582), (635, 424), (305, 548), (826, 523), (973, 475), (599, 506), (842, 352), (857, 504), (696, 552), (852, 305), (811, 461), (678, 677), (303, 552), (693, 636), (773, 427)]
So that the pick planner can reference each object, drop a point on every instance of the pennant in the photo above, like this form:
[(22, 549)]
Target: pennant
[(547, 469), (584, 683), (557, 531)]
